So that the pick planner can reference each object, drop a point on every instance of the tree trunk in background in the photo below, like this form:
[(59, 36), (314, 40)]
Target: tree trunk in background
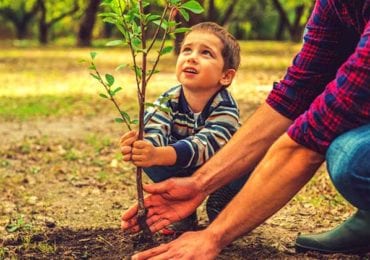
[(44, 26), (295, 29), (280, 30), (108, 30), (20, 18), (21, 30), (228, 14), (87, 24), (212, 11), (194, 19)]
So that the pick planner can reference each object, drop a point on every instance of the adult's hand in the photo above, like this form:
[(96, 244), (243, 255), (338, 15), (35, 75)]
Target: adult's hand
[(190, 245), (169, 201)]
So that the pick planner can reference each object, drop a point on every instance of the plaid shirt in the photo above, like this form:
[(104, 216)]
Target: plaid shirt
[(327, 88), (195, 138)]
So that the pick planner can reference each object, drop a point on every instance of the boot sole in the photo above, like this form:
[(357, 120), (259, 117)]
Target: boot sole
[(361, 250)]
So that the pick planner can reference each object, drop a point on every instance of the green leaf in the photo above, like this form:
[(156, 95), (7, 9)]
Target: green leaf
[(185, 14), (152, 17), (137, 71), (95, 76), (147, 104), (110, 20), (103, 95), (164, 109), (117, 90), (134, 122), (136, 42), (126, 116), (163, 24), (114, 43), (92, 67), (145, 3), (175, 2), (152, 72), (122, 66), (119, 120), (93, 54), (165, 99), (110, 14), (110, 79), (11, 228), (181, 30), (166, 49), (193, 6)]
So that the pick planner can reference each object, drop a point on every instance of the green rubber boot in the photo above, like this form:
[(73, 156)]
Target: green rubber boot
[(351, 237)]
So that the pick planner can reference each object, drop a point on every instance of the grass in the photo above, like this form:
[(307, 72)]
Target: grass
[(52, 82)]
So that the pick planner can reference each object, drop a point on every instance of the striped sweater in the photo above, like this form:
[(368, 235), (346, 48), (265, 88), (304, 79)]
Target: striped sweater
[(195, 138)]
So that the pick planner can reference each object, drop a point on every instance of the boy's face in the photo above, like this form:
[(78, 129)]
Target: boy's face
[(200, 63)]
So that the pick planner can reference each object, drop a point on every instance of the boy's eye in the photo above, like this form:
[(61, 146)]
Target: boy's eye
[(208, 53), (186, 50)]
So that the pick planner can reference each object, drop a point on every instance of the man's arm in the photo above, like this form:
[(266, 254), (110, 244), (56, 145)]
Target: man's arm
[(284, 170), (242, 153), (174, 199)]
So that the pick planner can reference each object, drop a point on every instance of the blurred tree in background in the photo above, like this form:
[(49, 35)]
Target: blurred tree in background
[(77, 20)]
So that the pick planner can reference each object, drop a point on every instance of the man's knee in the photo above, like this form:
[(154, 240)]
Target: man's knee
[(348, 162), (338, 159)]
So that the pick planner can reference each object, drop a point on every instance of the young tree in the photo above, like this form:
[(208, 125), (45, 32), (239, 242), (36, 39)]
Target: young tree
[(134, 22)]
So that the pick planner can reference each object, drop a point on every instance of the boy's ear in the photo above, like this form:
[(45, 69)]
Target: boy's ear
[(227, 77)]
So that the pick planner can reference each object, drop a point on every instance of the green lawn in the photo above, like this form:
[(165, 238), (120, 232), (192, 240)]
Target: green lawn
[(53, 82)]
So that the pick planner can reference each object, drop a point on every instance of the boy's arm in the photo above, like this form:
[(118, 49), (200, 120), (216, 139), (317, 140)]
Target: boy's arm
[(145, 154)]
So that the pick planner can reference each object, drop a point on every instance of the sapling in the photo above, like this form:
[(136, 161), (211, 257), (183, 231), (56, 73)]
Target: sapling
[(140, 31)]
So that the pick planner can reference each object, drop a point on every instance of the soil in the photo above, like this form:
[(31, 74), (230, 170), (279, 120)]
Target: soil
[(63, 188)]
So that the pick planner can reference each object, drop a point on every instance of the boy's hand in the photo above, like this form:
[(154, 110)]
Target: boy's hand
[(144, 154), (126, 144)]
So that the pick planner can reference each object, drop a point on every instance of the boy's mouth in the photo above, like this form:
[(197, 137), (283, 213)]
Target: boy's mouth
[(190, 70)]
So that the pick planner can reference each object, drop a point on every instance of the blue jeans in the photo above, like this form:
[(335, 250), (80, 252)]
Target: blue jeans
[(161, 173), (348, 162)]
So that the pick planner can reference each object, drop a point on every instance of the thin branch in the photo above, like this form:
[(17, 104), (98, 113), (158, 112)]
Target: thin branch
[(111, 97), (129, 40), (159, 27), (161, 48)]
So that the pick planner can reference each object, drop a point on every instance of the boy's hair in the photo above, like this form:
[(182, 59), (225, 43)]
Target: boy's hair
[(231, 48)]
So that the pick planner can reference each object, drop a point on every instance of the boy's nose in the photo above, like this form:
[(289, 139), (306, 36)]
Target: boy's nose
[(192, 58)]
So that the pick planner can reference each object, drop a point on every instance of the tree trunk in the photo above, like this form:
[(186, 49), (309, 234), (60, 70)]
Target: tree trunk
[(87, 23), (21, 30), (43, 33), (297, 29), (108, 30), (43, 27), (228, 13), (212, 12), (280, 30)]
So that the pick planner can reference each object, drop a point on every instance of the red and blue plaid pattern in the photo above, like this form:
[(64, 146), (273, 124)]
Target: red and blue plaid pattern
[(327, 88)]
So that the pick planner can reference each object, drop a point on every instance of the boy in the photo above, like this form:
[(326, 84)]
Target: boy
[(203, 115)]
